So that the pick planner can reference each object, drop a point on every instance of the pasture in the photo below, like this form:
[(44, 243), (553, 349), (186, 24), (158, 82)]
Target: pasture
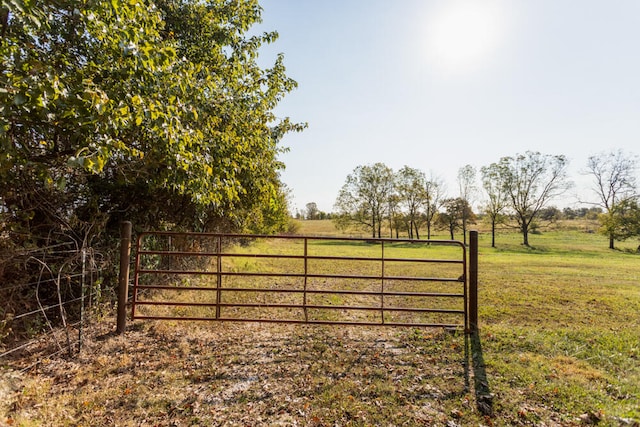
[(558, 345)]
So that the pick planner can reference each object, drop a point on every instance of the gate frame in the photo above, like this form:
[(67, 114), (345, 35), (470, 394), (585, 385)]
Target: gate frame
[(470, 268)]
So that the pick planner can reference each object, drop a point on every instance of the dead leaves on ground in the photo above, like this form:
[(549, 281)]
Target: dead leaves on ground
[(253, 374)]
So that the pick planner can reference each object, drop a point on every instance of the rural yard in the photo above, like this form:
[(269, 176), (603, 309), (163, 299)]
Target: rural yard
[(557, 346), (326, 214)]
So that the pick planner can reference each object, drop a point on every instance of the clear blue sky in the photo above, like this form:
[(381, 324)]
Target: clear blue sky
[(436, 85)]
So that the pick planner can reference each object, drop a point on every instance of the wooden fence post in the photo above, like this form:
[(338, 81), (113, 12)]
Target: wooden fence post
[(123, 282), (473, 281)]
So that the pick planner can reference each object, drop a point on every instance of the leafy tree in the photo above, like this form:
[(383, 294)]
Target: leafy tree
[(241, 131), (592, 213), (412, 195), (625, 221), (66, 105), (530, 181), (570, 213), (455, 212), (394, 215), (363, 199), (496, 205), (614, 174), (312, 211), (162, 104), (152, 111), (550, 214)]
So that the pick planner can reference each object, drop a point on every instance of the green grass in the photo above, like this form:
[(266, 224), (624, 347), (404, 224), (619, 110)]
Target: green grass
[(560, 326)]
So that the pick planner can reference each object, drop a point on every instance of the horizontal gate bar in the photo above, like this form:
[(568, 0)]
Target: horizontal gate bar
[(303, 291), (245, 237), (310, 321), (309, 257), (308, 306), (315, 276)]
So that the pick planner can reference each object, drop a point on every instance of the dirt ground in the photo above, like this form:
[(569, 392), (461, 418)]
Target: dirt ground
[(247, 374)]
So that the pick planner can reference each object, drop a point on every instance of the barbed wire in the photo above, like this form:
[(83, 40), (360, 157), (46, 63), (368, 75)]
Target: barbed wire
[(39, 282), (49, 343)]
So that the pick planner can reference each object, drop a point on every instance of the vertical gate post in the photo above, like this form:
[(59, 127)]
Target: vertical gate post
[(218, 275), (123, 282), (473, 281)]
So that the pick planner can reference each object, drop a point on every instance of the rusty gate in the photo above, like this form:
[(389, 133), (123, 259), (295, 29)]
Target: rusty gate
[(302, 279)]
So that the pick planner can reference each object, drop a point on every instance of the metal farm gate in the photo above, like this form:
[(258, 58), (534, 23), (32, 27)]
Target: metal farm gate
[(300, 279)]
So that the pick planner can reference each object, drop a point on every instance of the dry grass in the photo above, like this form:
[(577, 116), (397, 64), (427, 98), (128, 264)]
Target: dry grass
[(252, 374)]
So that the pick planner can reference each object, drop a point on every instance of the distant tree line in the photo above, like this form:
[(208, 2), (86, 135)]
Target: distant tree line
[(516, 191), (311, 212)]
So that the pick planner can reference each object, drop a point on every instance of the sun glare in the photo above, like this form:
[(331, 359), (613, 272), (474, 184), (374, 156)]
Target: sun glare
[(462, 35)]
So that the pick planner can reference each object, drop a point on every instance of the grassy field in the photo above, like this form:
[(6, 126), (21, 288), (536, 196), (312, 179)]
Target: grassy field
[(561, 326), (558, 345)]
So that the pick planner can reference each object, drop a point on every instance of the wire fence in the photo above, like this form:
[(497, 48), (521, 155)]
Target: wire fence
[(48, 314)]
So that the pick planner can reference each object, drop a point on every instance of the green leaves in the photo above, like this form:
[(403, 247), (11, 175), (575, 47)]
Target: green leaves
[(162, 96), (364, 198), (529, 181), (25, 9)]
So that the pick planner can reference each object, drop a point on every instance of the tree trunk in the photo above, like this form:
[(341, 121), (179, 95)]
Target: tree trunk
[(611, 242), (4, 21), (464, 230), (493, 232)]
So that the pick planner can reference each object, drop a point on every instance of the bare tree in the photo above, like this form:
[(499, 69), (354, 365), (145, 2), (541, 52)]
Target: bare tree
[(614, 174), (530, 181)]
